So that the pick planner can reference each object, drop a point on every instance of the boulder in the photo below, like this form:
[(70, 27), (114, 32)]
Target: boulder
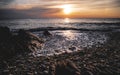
[(24, 41), (28, 41), (6, 46), (66, 67), (4, 34)]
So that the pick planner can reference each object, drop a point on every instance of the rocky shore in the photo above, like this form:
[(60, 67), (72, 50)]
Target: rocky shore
[(12, 44), (104, 60)]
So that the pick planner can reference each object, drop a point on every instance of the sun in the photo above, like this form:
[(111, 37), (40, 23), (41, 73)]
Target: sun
[(67, 9)]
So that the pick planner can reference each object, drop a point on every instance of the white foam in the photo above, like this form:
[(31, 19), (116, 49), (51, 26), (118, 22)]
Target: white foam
[(61, 42)]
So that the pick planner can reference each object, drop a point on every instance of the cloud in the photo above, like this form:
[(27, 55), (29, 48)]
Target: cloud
[(50, 3), (29, 13), (96, 4), (39, 8), (117, 2), (11, 13), (5, 2)]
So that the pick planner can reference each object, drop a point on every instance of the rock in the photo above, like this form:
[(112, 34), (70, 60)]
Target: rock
[(100, 54), (4, 34), (24, 41), (84, 71), (45, 72), (29, 41), (72, 48), (52, 69), (6, 46), (64, 68), (47, 33)]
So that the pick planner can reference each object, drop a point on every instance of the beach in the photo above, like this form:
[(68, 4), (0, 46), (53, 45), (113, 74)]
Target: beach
[(82, 49), (102, 60)]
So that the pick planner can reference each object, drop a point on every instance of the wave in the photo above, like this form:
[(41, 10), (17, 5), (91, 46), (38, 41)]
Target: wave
[(76, 29)]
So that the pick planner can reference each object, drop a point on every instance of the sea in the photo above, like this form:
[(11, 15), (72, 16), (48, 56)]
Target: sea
[(68, 35)]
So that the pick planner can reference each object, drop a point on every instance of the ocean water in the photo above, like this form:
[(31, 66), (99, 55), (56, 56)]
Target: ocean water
[(69, 35), (64, 23)]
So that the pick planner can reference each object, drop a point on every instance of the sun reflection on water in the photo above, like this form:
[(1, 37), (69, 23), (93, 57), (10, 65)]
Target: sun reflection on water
[(69, 35), (66, 20)]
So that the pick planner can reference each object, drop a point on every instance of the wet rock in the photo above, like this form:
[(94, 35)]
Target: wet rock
[(72, 48), (45, 72), (47, 33)]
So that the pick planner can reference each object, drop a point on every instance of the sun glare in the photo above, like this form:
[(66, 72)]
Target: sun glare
[(66, 20), (67, 9)]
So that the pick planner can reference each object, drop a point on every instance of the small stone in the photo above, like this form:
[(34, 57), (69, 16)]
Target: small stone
[(45, 72), (6, 70), (72, 48)]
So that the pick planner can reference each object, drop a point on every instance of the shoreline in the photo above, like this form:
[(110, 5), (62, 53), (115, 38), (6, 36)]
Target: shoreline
[(102, 60)]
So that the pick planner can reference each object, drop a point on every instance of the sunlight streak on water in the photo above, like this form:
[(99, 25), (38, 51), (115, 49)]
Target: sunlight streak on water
[(68, 34), (71, 41), (65, 23), (67, 20)]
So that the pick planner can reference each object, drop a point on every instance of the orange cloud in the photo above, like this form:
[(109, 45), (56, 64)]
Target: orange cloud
[(52, 8)]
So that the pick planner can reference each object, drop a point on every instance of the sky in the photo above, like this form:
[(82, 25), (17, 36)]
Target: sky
[(59, 9)]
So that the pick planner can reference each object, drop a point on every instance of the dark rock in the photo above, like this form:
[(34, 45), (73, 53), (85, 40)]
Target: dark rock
[(84, 71), (28, 41), (24, 41), (100, 54), (47, 33), (4, 33), (52, 69), (6, 46), (72, 48), (64, 68)]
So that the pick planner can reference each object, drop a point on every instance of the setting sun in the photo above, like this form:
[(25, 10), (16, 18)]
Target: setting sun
[(67, 9)]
